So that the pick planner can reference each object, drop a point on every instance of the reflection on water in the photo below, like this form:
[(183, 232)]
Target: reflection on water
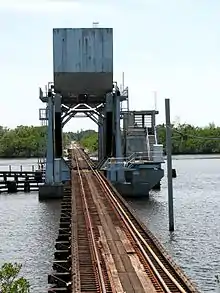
[(28, 231), (195, 244)]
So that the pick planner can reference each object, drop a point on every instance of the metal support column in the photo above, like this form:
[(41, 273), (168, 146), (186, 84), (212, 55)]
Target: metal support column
[(153, 126), (58, 127), (114, 97), (118, 144), (49, 178), (125, 127), (104, 133), (109, 125), (169, 164), (100, 139)]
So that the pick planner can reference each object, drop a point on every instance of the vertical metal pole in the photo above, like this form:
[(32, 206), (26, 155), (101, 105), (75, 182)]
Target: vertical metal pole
[(169, 165), (118, 128), (58, 127), (114, 125), (118, 140), (108, 137), (104, 133), (53, 135), (100, 138), (155, 100), (125, 119), (49, 178), (123, 81)]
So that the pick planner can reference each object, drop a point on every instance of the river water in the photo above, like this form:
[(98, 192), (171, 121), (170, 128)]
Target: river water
[(28, 229)]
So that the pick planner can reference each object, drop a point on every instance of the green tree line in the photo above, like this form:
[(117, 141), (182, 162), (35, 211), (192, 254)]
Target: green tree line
[(186, 139), (30, 141), (87, 139), (25, 141)]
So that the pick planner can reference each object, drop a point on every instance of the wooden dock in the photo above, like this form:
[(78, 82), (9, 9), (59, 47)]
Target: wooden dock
[(21, 181)]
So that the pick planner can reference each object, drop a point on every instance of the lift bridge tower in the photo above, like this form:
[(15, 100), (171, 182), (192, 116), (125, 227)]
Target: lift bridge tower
[(130, 156), (83, 85)]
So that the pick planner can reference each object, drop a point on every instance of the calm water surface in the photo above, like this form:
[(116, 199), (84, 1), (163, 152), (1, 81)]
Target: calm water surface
[(28, 229), (195, 244)]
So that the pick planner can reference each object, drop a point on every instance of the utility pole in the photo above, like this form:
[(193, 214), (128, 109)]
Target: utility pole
[(169, 165), (155, 100), (123, 81)]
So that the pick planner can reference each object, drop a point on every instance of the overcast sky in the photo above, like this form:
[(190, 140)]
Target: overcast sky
[(168, 46)]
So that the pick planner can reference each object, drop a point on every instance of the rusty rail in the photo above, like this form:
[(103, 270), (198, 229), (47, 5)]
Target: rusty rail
[(91, 237), (162, 274), (102, 247)]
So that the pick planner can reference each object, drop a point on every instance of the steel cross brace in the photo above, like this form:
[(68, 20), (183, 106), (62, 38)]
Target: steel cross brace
[(82, 107), (86, 114)]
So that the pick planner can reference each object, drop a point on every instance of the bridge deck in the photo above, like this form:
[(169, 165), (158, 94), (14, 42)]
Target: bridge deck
[(111, 251)]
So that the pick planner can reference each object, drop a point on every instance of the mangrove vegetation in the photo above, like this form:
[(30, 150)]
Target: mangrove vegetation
[(30, 141), (10, 282)]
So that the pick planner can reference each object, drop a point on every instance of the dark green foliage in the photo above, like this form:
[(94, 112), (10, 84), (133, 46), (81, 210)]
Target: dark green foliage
[(9, 281), (30, 141), (87, 138), (90, 141), (24, 141), (80, 135), (188, 139)]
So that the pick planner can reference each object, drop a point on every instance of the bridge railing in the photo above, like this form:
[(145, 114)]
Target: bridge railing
[(135, 157), (153, 156), (125, 92), (112, 160)]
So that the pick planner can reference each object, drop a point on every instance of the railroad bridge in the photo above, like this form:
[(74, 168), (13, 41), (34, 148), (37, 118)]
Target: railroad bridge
[(102, 246)]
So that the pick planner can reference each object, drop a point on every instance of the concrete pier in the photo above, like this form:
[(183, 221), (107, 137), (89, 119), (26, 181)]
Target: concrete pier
[(50, 191)]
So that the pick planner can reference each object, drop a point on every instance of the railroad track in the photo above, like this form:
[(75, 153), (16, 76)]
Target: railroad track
[(112, 250)]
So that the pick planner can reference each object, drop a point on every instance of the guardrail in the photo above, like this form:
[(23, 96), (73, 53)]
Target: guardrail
[(133, 158)]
